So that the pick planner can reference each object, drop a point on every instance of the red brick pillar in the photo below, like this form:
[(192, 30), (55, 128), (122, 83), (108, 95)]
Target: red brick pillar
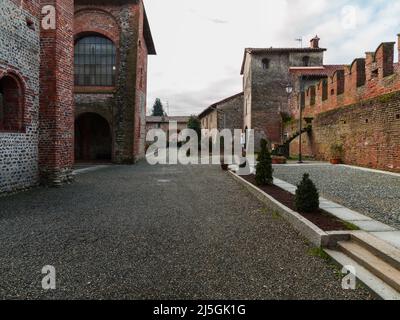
[(56, 137)]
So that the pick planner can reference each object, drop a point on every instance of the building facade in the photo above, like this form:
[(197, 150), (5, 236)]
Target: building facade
[(163, 123), (225, 114), (112, 41), (266, 75), (75, 91)]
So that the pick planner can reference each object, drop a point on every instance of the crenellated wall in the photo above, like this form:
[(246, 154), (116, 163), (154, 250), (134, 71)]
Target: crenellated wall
[(358, 107), (365, 78)]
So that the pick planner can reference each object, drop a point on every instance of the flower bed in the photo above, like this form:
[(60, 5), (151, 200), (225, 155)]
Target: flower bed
[(320, 218), (279, 160)]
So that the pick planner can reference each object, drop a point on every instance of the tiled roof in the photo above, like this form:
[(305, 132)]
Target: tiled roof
[(181, 119), (324, 71), (215, 105), (276, 50), (268, 50)]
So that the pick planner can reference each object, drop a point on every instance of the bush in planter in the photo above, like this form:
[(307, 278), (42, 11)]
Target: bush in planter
[(307, 196), (279, 160), (264, 166)]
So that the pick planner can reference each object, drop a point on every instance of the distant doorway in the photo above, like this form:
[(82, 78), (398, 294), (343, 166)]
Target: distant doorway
[(93, 141)]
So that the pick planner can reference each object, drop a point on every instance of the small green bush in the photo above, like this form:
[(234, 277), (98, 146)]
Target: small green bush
[(307, 196), (264, 166)]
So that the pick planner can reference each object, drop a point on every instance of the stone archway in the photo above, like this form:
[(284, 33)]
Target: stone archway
[(93, 140)]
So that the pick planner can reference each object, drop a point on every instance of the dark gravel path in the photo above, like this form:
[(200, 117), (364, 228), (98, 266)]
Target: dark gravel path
[(156, 232), (376, 195)]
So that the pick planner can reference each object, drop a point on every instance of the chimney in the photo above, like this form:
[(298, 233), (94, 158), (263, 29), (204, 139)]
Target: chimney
[(314, 43), (398, 44)]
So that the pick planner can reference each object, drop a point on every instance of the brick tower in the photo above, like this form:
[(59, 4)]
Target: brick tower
[(56, 113)]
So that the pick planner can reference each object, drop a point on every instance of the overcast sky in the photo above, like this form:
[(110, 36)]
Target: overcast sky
[(200, 43)]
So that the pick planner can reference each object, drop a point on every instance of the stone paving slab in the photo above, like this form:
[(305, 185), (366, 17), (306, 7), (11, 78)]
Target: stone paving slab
[(89, 168), (393, 237), (343, 213), (373, 226)]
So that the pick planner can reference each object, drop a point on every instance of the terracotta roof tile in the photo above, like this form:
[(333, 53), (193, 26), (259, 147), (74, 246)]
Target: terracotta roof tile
[(324, 71)]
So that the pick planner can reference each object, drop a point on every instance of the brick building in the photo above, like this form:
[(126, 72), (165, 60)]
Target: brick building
[(163, 123), (358, 107), (225, 114), (42, 107), (266, 74), (110, 85)]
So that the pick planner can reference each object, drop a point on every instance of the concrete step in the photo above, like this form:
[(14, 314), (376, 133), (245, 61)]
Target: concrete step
[(374, 283), (378, 247), (372, 262)]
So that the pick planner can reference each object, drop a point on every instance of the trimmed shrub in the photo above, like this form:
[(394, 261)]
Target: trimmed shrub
[(264, 166), (307, 196)]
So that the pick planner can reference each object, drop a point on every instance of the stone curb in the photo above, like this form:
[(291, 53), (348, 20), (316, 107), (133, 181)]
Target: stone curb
[(89, 169), (309, 230), (365, 223)]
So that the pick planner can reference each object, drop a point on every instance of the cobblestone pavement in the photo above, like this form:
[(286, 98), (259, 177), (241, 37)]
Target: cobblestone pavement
[(376, 195), (165, 232)]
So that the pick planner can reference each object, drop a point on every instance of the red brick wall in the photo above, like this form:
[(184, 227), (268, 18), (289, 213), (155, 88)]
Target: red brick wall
[(369, 132), (364, 118), (97, 20), (56, 155)]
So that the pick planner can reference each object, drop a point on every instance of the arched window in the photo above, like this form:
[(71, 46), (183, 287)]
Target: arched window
[(95, 61), (265, 64), (11, 104), (306, 61), (313, 94)]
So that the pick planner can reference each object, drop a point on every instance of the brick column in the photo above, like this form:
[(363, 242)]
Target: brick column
[(56, 138)]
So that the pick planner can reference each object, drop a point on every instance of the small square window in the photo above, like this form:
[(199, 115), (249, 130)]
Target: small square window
[(306, 61), (265, 64)]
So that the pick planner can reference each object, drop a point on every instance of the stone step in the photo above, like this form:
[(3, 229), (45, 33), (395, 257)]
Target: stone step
[(377, 285), (371, 262), (378, 247)]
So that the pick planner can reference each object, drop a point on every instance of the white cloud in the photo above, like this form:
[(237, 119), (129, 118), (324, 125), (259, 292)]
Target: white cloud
[(200, 43)]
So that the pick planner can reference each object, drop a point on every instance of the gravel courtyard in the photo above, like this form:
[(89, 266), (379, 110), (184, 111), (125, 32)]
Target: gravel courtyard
[(376, 195), (165, 232)]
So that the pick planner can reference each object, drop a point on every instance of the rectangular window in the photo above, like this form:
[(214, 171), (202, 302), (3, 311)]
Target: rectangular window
[(312, 97), (324, 90), (95, 59), (1, 110)]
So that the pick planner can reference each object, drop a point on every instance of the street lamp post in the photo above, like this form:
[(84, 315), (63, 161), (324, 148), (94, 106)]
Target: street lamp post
[(301, 121), (289, 90)]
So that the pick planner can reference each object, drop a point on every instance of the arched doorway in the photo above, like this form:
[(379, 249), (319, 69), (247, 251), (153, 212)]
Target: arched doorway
[(93, 141)]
